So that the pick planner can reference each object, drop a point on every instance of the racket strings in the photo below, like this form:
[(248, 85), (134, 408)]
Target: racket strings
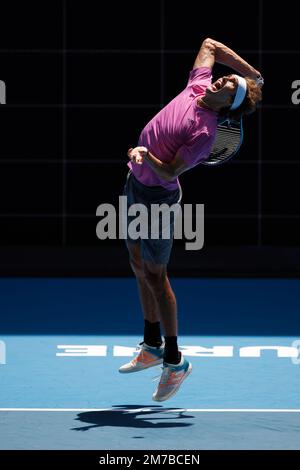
[(226, 145)]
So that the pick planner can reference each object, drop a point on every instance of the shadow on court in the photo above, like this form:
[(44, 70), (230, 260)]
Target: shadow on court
[(122, 416)]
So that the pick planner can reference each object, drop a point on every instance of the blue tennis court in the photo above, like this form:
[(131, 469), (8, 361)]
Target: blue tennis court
[(63, 340)]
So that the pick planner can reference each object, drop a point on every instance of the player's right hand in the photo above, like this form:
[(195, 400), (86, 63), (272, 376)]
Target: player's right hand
[(136, 155)]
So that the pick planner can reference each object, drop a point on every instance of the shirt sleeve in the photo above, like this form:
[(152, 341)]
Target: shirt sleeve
[(197, 149), (199, 79)]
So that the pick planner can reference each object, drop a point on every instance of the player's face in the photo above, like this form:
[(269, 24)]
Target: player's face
[(223, 90)]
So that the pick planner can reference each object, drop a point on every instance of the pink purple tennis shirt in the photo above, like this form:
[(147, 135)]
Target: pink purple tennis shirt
[(183, 127)]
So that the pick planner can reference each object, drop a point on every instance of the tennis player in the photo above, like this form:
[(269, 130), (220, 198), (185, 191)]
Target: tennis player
[(178, 138)]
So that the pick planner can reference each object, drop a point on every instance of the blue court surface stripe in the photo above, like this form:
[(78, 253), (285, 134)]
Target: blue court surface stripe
[(207, 307)]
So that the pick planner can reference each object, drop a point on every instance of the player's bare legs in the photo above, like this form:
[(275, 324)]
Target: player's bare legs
[(147, 299), (161, 290), (156, 295)]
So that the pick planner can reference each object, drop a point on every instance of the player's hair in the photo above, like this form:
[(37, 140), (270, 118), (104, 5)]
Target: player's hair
[(248, 106)]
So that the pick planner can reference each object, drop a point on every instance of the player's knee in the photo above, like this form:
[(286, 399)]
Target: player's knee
[(135, 259), (136, 267), (155, 276), (135, 262)]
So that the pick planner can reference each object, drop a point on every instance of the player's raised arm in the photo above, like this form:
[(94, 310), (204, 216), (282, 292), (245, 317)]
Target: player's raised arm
[(213, 51)]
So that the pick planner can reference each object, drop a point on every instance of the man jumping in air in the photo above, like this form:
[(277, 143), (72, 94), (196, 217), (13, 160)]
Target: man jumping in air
[(178, 138)]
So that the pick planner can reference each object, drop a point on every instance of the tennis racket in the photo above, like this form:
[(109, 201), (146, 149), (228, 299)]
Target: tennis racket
[(229, 138)]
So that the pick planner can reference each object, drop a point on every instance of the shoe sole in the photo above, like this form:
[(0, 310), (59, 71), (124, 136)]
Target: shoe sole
[(171, 394), (138, 369)]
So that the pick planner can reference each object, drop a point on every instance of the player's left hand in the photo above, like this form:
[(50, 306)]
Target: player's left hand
[(258, 78), (137, 154)]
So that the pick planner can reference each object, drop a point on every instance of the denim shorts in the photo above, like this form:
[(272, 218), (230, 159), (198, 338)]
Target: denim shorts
[(156, 249)]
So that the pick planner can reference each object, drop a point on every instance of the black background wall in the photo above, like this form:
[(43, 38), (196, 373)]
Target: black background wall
[(82, 80)]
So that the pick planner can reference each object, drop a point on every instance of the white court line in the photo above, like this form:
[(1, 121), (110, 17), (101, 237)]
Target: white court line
[(176, 410)]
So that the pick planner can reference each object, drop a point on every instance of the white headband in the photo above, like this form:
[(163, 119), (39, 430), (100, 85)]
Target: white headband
[(240, 92)]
